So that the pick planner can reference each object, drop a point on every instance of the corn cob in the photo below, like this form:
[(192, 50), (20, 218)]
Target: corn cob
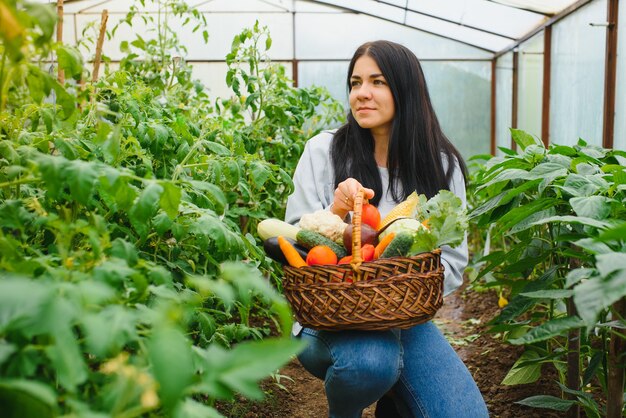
[(406, 208)]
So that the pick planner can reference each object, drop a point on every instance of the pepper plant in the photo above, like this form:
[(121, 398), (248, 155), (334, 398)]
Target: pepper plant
[(556, 219), (127, 284)]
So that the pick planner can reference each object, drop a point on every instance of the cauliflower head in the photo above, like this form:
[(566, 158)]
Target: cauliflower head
[(326, 223)]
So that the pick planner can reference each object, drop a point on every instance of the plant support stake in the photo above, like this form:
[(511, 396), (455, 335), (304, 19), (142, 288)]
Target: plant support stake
[(61, 73), (96, 63)]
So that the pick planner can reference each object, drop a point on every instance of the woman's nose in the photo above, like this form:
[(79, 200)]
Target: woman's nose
[(365, 91)]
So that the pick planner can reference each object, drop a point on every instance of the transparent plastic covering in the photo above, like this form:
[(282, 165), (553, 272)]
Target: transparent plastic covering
[(577, 76), (530, 85), (504, 100), (460, 92), (485, 24)]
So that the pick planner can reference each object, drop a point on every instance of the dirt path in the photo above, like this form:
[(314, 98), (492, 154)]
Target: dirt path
[(462, 319)]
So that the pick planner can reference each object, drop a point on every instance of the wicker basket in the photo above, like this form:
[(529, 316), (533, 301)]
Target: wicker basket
[(386, 293)]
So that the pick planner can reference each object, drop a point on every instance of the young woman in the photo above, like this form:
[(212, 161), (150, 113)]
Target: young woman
[(391, 145)]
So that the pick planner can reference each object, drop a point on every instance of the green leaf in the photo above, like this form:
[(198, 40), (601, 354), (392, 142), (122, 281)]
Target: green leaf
[(123, 249), (52, 172), (576, 276), (192, 409), (547, 170), (67, 359), (217, 149), (145, 207), (524, 139), (608, 263), (81, 177), (170, 358), (595, 207), (522, 374), (573, 219), (520, 304), (592, 246), (21, 302), (614, 233), (549, 329), (111, 147), (592, 296), (36, 83), (259, 173), (45, 17), (240, 369), (579, 186), (505, 175), (547, 402), (162, 223), (21, 398), (170, 199), (6, 350), (70, 60), (109, 330), (549, 294), (64, 99), (520, 213)]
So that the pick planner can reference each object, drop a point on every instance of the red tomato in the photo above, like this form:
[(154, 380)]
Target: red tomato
[(367, 252), (345, 260), (370, 216), (321, 254)]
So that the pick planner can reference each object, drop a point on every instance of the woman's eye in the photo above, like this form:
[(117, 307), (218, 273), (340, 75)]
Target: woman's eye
[(379, 82), (354, 83)]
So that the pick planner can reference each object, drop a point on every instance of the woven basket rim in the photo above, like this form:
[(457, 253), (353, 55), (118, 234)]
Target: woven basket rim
[(348, 267)]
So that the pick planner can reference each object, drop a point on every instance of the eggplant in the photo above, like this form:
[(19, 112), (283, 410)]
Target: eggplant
[(273, 251)]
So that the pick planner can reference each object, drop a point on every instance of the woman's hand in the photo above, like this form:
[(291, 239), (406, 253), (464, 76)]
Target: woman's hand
[(344, 196)]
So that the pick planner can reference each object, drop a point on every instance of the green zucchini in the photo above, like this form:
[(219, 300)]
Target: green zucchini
[(399, 246), (310, 239)]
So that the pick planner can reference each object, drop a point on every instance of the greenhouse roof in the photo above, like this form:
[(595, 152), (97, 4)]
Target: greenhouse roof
[(491, 25)]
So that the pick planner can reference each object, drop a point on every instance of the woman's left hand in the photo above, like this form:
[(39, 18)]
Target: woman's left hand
[(344, 196)]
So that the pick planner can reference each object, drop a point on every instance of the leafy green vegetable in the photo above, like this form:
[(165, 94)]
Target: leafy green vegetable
[(445, 219)]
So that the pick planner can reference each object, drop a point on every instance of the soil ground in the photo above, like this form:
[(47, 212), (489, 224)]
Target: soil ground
[(463, 320)]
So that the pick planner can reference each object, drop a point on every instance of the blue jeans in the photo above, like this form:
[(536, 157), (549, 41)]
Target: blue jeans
[(425, 375)]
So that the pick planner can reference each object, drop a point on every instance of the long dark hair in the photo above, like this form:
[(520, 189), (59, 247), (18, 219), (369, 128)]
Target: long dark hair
[(416, 143)]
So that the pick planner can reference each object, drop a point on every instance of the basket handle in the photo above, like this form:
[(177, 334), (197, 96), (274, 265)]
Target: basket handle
[(356, 232)]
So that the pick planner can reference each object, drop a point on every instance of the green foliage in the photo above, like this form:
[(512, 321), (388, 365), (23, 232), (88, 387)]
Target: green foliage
[(554, 222), (446, 222), (129, 284)]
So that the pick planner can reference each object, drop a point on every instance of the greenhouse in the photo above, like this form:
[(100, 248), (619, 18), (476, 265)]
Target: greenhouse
[(207, 206)]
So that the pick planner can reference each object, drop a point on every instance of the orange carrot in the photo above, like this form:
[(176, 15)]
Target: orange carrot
[(382, 244), (291, 254)]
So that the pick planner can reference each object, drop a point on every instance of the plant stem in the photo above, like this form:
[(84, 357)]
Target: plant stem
[(573, 360), (182, 165), (615, 379), (18, 182), (2, 64)]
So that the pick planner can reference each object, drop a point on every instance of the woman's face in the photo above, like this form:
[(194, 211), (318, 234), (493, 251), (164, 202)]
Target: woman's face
[(371, 101)]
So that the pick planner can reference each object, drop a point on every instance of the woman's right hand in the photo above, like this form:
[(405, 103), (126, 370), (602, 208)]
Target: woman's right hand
[(345, 194)]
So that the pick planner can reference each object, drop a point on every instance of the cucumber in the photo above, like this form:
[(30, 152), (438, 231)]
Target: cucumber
[(272, 227), (399, 246), (273, 251), (310, 239)]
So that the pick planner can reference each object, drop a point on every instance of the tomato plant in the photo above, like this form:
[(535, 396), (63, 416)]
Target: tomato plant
[(124, 215)]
